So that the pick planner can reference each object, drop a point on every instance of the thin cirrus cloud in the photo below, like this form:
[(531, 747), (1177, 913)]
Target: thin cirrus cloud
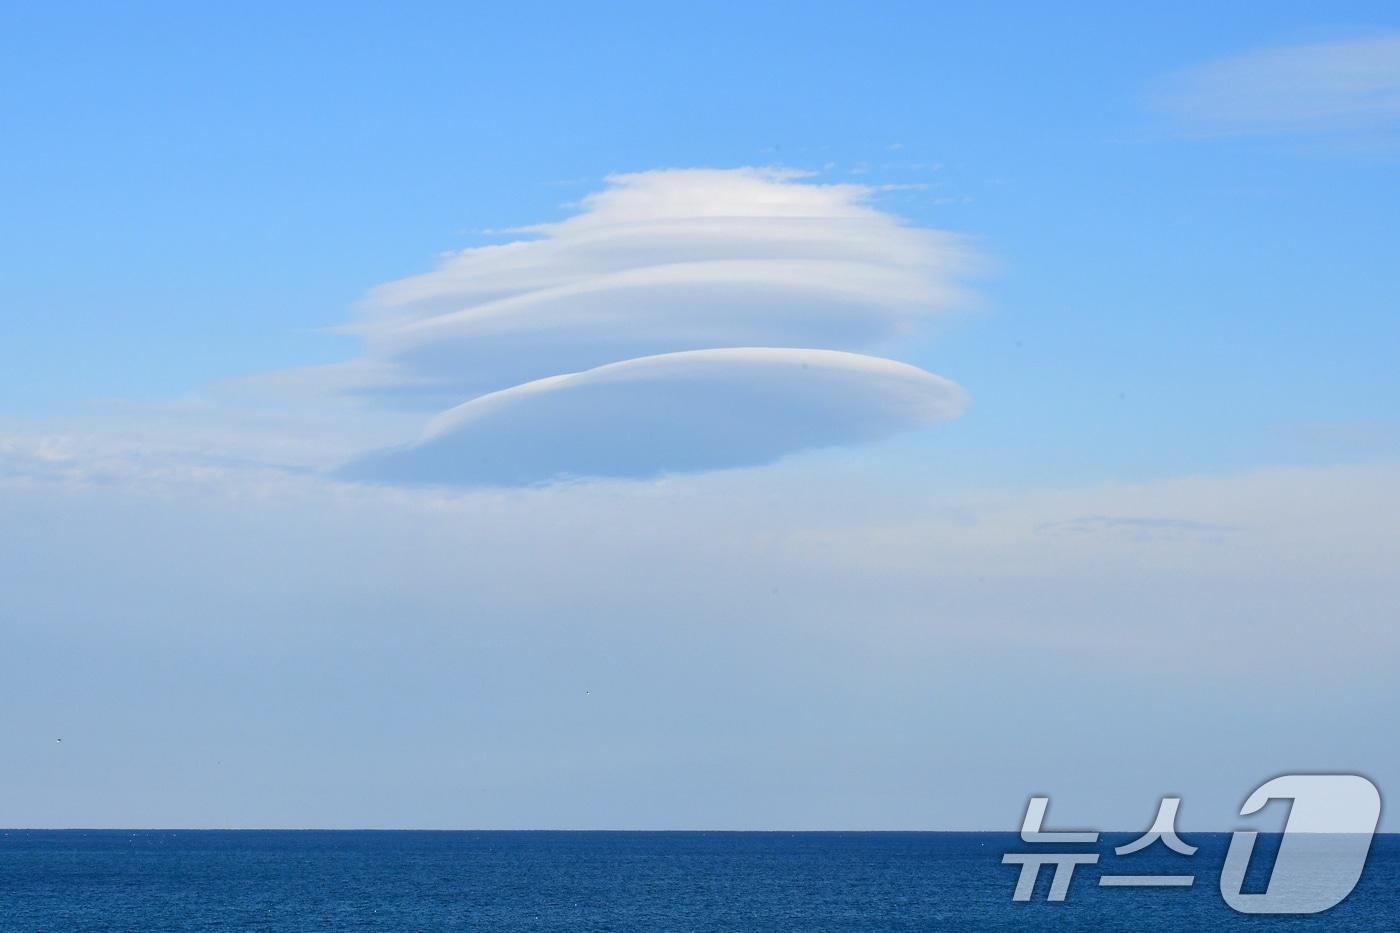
[(1343, 86), (681, 320)]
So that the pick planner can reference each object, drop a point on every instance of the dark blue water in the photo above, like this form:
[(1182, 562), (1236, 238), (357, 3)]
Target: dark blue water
[(500, 881)]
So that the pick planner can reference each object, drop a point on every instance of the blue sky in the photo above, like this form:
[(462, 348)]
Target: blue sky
[(1182, 304), (199, 195)]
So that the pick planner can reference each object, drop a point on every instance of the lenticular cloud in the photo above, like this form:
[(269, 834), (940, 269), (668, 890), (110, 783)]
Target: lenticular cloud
[(697, 410), (681, 320)]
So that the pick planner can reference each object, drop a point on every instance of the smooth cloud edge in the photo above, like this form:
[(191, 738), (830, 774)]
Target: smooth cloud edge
[(820, 398)]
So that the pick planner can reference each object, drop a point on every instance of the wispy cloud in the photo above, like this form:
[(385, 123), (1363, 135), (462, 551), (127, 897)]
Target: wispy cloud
[(1355, 437), (1345, 86), (1135, 526)]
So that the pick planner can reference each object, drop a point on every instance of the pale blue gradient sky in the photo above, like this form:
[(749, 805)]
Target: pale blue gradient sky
[(1169, 506), (192, 195)]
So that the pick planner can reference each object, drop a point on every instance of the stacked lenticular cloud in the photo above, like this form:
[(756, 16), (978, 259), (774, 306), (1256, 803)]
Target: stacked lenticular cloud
[(682, 320)]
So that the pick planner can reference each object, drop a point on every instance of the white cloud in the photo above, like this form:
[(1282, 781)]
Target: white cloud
[(661, 262), (691, 411), (654, 219), (654, 309), (1340, 86), (657, 263)]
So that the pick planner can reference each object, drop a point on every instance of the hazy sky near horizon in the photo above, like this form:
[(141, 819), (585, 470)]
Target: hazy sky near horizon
[(794, 418)]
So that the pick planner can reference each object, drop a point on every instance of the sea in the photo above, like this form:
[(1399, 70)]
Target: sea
[(152, 880)]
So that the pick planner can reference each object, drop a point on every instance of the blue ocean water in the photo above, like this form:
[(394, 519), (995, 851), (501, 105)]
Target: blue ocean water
[(78, 880)]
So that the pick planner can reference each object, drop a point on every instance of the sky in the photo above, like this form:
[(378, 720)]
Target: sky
[(798, 417)]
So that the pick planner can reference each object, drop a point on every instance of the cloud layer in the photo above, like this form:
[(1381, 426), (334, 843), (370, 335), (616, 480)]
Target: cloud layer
[(1338, 86), (523, 340), (585, 640), (691, 411)]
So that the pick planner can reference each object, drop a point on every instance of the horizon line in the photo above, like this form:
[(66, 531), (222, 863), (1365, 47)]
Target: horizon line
[(407, 829)]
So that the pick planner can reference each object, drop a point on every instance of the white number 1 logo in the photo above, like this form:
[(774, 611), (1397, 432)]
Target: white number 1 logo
[(1324, 847)]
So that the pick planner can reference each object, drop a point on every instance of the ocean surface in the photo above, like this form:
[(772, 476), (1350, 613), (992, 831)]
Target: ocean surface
[(77, 880)]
